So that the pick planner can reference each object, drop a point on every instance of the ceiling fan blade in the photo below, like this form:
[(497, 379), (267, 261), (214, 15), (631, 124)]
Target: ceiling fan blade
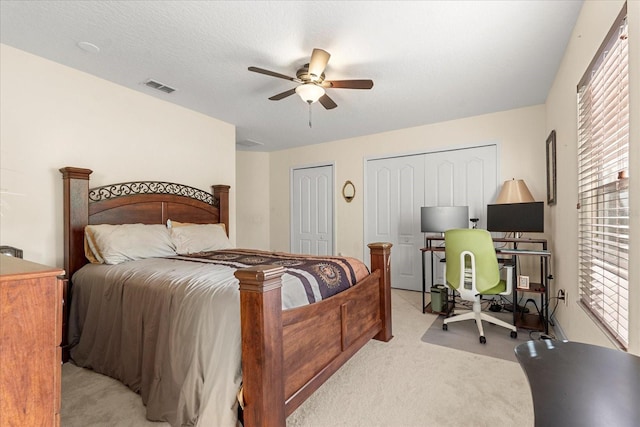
[(319, 60), (272, 73), (327, 102), (348, 84), (283, 95)]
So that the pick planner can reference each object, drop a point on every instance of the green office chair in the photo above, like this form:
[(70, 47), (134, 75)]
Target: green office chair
[(472, 270)]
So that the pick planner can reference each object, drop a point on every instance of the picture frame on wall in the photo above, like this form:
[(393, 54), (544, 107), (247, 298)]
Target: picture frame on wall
[(551, 168)]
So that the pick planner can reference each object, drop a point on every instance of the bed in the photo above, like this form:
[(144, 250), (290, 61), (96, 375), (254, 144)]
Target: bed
[(285, 354)]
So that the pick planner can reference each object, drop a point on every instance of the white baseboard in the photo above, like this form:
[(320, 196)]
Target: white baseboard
[(559, 332)]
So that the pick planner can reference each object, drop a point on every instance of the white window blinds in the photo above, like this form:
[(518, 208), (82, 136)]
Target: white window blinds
[(603, 184)]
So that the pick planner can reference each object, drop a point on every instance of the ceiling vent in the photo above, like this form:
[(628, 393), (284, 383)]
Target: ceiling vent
[(159, 86), (249, 143)]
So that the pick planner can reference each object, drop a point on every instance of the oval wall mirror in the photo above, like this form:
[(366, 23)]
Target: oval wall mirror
[(348, 191)]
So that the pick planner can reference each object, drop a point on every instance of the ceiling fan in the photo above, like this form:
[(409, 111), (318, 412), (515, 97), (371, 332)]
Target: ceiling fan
[(312, 81)]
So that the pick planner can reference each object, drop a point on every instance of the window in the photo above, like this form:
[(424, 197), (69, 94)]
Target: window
[(603, 184)]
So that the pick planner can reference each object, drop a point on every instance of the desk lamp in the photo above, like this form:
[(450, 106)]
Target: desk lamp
[(514, 191)]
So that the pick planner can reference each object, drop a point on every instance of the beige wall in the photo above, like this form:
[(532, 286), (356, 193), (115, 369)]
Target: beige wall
[(519, 134), (53, 116), (593, 24), (252, 183)]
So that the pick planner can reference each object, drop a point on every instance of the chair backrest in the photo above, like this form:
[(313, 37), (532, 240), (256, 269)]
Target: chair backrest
[(478, 242)]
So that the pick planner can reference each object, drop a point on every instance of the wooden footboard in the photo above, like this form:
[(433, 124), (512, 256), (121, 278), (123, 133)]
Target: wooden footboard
[(287, 355)]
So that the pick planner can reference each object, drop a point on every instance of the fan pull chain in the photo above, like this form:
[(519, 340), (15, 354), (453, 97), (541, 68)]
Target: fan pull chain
[(309, 102)]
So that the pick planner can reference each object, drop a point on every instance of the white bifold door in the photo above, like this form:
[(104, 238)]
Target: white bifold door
[(312, 210), (397, 187)]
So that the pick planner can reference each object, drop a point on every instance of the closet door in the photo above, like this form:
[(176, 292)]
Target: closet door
[(395, 186), (312, 210), (396, 189), (465, 177)]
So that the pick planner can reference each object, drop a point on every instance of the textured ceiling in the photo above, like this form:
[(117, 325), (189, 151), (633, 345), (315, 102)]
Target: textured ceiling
[(430, 61)]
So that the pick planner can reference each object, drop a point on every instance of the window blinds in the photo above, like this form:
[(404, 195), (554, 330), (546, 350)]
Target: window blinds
[(603, 184)]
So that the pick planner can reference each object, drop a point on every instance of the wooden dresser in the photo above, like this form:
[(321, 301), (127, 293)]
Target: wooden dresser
[(30, 336)]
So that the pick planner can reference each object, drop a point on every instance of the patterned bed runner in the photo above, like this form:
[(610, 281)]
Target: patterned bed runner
[(331, 275)]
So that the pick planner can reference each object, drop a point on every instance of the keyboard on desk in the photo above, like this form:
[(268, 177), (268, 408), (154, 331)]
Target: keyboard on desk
[(510, 251)]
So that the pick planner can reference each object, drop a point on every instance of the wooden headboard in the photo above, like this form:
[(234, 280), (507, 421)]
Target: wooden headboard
[(146, 202)]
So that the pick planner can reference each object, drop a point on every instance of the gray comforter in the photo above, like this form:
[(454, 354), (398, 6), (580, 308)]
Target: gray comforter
[(170, 330)]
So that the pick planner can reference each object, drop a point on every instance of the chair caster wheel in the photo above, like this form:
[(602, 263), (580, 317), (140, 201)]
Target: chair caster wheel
[(445, 327), (483, 340), (514, 334)]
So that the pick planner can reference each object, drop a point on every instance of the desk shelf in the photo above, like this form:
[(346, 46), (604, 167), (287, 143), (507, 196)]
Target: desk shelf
[(534, 288), (534, 321)]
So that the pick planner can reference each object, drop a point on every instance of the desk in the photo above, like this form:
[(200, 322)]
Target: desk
[(575, 384), (521, 320)]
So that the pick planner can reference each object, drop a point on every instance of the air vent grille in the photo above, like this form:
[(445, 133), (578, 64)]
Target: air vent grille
[(159, 86), (249, 143)]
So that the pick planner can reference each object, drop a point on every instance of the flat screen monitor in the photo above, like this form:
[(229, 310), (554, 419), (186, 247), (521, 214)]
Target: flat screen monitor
[(438, 219), (516, 217)]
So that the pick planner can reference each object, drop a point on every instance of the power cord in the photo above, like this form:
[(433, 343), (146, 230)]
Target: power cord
[(538, 335), (553, 311)]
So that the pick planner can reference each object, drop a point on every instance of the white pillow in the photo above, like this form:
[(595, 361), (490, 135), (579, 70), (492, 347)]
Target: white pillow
[(194, 238), (113, 244)]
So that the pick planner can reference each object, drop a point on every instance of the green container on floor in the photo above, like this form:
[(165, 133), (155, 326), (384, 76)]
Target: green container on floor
[(438, 298)]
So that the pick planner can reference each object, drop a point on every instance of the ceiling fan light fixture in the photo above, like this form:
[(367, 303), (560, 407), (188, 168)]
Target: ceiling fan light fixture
[(310, 92), (312, 83)]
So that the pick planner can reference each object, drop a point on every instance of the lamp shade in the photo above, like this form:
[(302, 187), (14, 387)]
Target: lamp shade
[(514, 191), (310, 92), (438, 219)]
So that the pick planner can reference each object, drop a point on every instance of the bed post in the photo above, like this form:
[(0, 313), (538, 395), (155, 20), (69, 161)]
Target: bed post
[(221, 192), (262, 345), (75, 183), (381, 260)]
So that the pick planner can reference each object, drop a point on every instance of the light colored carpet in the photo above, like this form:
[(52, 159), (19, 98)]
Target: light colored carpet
[(90, 399), (403, 383)]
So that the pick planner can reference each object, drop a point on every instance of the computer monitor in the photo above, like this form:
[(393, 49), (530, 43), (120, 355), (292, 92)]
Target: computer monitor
[(516, 217), (438, 219)]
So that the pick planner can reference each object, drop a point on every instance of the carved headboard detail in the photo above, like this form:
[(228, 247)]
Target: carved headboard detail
[(146, 202)]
